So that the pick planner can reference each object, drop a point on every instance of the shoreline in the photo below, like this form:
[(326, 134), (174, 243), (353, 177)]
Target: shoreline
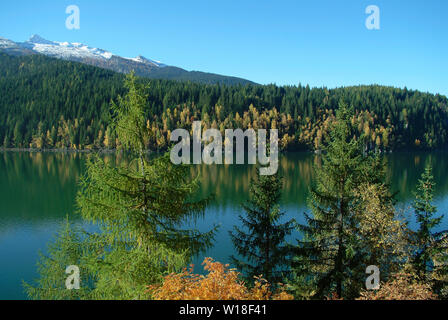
[(112, 151), (86, 151)]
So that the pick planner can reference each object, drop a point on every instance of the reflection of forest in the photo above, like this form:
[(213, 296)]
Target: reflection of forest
[(37, 185), (404, 170), (230, 183)]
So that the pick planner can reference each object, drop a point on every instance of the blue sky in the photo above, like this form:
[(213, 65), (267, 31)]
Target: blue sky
[(287, 42)]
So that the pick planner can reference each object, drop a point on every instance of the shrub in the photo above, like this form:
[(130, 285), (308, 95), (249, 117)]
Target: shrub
[(402, 286), (221, 283)]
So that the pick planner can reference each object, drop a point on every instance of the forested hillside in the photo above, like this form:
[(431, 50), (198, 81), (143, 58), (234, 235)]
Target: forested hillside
[(50, 103)]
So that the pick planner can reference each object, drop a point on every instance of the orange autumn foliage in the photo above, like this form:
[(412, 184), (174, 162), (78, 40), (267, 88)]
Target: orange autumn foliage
[(221, 283)]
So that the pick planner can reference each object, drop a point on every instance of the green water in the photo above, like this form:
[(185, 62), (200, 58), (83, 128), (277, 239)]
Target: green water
[(37, 191)]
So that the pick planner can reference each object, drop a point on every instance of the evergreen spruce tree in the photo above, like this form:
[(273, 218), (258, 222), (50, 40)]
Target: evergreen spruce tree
[(427, 240), (262, 245), (139, 206), (329, 258)]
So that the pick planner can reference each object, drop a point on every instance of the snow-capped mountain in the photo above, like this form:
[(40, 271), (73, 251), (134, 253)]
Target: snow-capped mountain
[(11, 47), (65, 50), (5, 43), (83, 53), (75, 51)]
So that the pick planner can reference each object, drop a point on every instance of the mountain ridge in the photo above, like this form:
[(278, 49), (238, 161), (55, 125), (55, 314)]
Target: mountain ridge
[(144, 67)]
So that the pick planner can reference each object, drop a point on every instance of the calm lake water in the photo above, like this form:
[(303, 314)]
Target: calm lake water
[(37, 191)]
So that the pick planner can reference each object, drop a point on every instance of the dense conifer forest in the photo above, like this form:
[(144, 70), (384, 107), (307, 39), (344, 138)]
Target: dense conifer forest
[(50, 103)]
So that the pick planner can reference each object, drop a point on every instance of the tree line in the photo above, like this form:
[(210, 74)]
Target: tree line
[(49, 103)]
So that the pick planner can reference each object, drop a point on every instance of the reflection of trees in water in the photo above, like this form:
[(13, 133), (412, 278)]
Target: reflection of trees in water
[(230, 183), (22, 166), (404, 170), (37, 185), (44, 184)]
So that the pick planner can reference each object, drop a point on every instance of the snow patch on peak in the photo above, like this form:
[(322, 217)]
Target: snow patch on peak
[(71, 51), (66, 50), (142, 59), (5, 43), (35, 38)]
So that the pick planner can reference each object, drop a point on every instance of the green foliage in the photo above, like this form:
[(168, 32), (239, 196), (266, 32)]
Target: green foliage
[(263, 244), (431, 249), (148, 207), (107, 271), (330, 254), (140, 207), (123, 270), (130, 123), (50, 103), (67, 249), (424, 212)]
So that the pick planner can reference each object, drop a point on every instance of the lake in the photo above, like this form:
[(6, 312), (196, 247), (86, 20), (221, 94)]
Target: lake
[(37, 191)]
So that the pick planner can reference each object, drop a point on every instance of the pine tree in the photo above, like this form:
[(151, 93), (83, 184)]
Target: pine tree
[(329, 256), (424, 213), (263, 245)]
